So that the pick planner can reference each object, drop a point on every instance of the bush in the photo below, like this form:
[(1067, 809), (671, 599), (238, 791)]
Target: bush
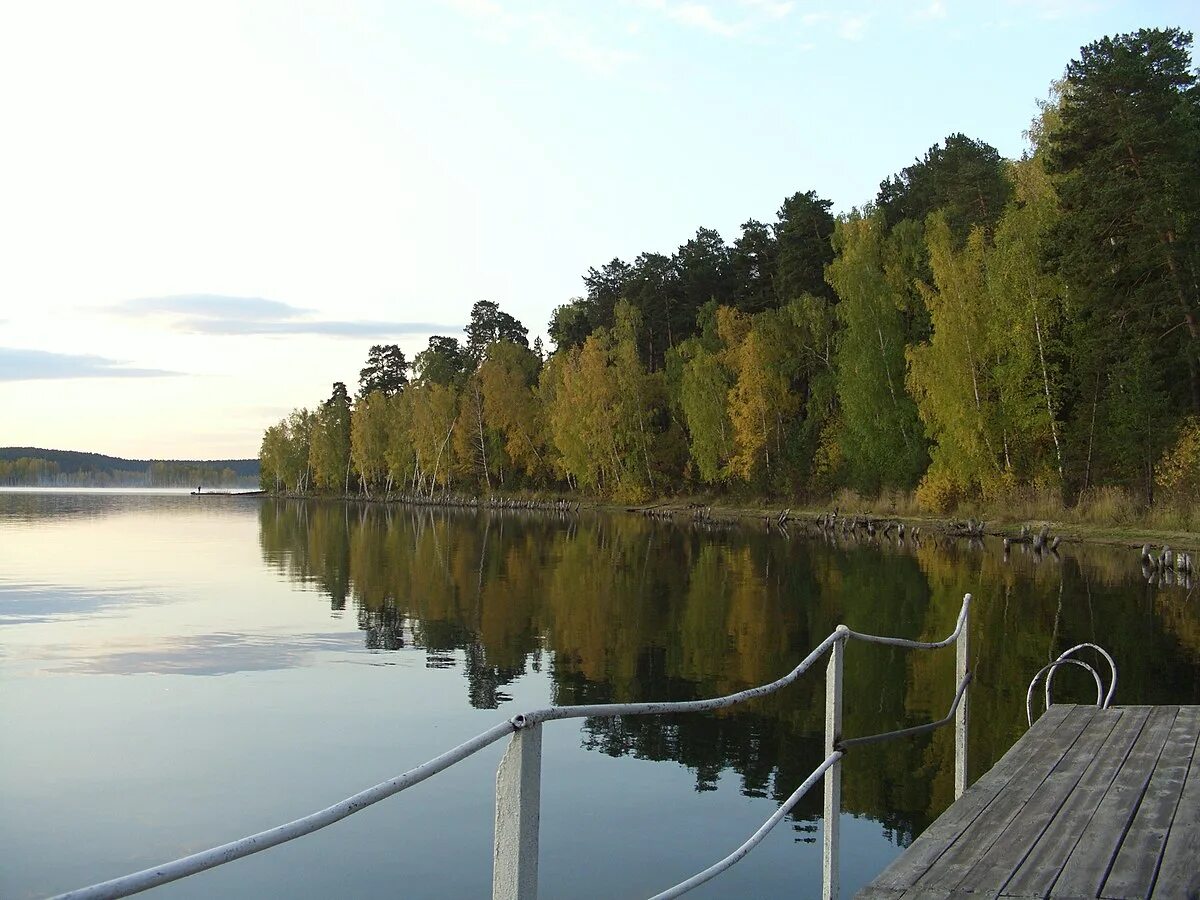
[(1178, 472), (938, 492)]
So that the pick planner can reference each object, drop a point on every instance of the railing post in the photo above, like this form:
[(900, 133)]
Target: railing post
[(962, 716), (830, 871), (518, 809)]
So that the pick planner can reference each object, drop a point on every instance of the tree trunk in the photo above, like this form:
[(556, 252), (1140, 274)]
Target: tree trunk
[(1087, 472), (482, 443), (1037, 327)]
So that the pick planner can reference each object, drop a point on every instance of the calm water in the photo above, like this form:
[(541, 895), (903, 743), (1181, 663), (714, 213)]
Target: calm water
[(176, 672)]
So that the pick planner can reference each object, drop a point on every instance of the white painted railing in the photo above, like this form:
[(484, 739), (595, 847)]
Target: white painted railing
[(1065, 658), (518, 780)]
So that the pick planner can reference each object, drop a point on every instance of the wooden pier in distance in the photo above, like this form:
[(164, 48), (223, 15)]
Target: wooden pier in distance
[(1088, 803)]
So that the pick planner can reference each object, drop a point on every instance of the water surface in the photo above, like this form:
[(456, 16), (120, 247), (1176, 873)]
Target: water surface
[(178, 671)]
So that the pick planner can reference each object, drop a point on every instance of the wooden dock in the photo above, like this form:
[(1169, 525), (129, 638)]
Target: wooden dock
[(1088, 803)]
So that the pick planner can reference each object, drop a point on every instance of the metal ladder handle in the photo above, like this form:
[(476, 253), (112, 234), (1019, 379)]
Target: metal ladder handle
[(1112, 667), (1050, 667)]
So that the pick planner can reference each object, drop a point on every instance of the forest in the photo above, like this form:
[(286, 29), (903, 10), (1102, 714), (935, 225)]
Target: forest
[(983, 330), (39, 467)]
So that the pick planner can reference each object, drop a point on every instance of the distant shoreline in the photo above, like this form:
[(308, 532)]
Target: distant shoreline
[(42, 467), (124, 489)]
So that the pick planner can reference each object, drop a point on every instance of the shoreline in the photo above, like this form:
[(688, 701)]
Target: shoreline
[(680, 509)]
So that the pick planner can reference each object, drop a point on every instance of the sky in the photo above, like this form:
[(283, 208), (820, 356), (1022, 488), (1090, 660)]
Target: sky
[(210, 211)]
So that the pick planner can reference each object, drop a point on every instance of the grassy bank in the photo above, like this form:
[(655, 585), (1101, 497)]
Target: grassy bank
[(1106, 515)]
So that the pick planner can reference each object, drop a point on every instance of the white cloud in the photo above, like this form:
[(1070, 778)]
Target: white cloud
[(483, 10), (572, 42), (702, 18), (20, 364), (852, 28), (1058, 9), (935, 10), (216, 314), (211, 305), (567, 38), (697, 15), (772, 9)]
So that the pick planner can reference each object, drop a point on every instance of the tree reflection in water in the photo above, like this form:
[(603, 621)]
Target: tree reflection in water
[(621, 609)]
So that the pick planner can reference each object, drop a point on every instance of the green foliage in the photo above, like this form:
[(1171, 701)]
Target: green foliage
[(881, 438), (170, 473), (803, 235), (580, 398), (433, 419), (26, 470), (705, 385), (951, 377), (443, 362), (285, 453), (386, 371), (1028, 302), (605, 288), (607, 414), (489, 324), (571, 323), (760, 357), (369, 437), (508, 379), (753, 262), (964, 180), (1124, 153), (329, 442)]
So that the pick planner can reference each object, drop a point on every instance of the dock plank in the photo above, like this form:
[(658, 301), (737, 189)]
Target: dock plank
[(1089, 803), (987, 828), (1035, 859), (1086, 868), (1137, 861), (943, 833), (1179, 874)]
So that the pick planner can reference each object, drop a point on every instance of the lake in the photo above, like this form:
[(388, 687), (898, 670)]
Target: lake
[(176, 672)]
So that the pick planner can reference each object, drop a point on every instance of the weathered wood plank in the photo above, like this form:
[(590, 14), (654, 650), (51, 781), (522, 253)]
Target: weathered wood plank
[(1092, 803), (1137, 862), (1179, 874), (943, 833), (1010, 842), (1087, 866), (1065, 820)]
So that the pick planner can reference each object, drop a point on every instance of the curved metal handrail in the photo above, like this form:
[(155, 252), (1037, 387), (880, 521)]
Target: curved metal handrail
[(1050, 667), (755, 839), (839, 751), (914, 730), (137, 882), (918, 645), (206, 859), (1112, 668), (607, 710)]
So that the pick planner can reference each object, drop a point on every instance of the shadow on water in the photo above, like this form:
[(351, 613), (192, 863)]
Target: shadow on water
[(619, 608)]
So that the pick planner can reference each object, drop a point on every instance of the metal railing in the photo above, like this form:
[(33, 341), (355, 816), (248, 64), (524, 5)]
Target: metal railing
[(518, 780), (1103, 700)]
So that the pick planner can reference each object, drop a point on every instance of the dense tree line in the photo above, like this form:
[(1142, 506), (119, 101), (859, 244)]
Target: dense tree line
[(26, 470), (36, 471), (983, 326)]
